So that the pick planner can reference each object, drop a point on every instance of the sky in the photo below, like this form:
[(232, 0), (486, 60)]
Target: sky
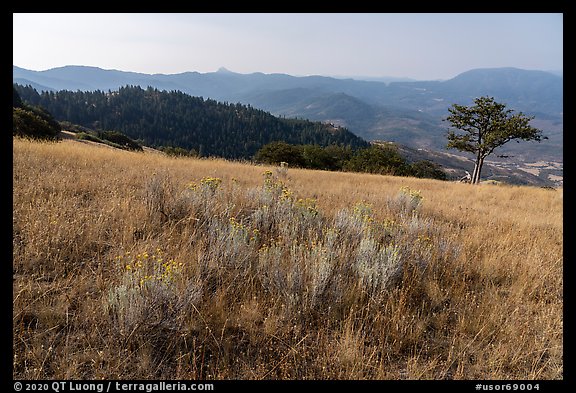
[(426, 46)]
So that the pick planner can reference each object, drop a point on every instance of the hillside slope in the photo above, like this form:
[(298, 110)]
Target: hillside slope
[(161, 118), (140, 266)]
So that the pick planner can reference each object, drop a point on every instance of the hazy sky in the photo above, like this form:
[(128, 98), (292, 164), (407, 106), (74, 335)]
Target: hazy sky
[(419, 46)]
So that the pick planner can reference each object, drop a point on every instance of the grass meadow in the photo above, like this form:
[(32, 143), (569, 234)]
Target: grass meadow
[(142, 266)]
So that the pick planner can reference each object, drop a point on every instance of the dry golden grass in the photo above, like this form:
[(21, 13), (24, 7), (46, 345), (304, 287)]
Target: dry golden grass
[(480, 294)]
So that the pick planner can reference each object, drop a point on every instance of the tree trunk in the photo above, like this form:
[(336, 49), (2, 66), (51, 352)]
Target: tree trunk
[(473, 178), (478, 170)]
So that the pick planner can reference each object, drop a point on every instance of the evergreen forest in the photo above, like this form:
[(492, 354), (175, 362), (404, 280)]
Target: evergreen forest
[(175, 119)]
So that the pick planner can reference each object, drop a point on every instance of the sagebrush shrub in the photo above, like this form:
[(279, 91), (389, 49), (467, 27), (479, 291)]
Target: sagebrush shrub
[(152, 295)]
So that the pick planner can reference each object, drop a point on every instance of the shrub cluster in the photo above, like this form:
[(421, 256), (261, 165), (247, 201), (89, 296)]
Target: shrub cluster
[(274, 248), (110, 138), (374, 159), (32, 121)]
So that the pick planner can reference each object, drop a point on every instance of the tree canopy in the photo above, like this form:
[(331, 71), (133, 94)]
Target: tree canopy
[(485, 126)]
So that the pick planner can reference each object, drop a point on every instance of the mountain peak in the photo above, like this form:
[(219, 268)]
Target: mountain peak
[(224, 70)]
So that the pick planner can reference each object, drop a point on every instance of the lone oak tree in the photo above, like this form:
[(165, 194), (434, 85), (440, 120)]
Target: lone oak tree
[(486, 126)]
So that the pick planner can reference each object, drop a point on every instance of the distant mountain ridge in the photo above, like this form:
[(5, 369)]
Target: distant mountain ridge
[(409, 112), (224, 84)]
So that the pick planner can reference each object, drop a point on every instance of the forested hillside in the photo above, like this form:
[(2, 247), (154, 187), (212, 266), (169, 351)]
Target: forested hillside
[(161, 118), (407, 113)]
